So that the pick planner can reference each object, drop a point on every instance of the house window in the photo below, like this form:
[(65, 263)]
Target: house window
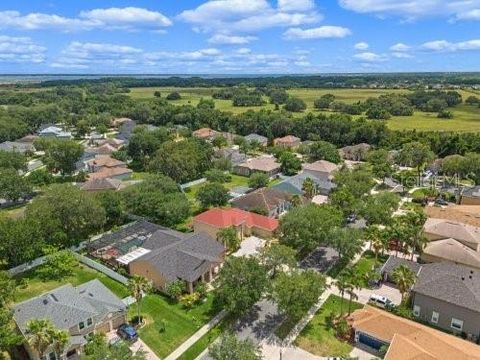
[(435, 316), (81, 325), (457, 324), (416, 310), (89, 322)]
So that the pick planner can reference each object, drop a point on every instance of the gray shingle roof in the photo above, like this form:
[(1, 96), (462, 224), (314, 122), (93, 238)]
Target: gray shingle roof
[(264, 198), (394, 262), (454, 284), (66, 306), (182, 256), (255, 137), (294, 184), (20, 147)]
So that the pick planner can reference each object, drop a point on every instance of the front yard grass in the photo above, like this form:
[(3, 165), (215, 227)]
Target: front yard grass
[(318, 337), (204, 342), (366, 263), (35, 286), (179, 323)]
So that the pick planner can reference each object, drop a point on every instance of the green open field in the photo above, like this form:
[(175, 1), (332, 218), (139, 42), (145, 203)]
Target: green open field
[(466, 118)]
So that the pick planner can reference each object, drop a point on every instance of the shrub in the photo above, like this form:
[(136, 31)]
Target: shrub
[(173, 96)]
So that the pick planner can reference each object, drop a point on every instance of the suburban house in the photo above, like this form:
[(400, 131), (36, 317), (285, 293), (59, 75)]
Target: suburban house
[(288, 141), (245, 223), (171, 255), (470, 196), (101, 184), (393, 263), (17, 146), (452, 242), (355, 152), (160, 254), (105, 149), (266, 164), (262, 140), (104, 166), (206, 134), (270, 202), (55, 132), (466, 214), (116, 143), (234, 155), (407, 339), (82, 310), (294, 184), (321, 169), (125, 130), (448, 296)]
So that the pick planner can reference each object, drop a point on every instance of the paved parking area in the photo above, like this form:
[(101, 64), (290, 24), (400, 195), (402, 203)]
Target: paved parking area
[(250, 246)]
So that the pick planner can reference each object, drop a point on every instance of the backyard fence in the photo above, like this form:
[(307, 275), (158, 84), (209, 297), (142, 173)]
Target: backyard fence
[(26, 266), (193, 183), (102, 268)]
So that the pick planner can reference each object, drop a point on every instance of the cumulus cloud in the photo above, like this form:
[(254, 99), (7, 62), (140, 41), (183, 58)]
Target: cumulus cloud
[(400, 47), (361, 46), (226, 16), (370, 57), (20, 50), (412, 9), (322, 32), (128, 18), (231, 39), (401, 55), (447, 46), (296, 5), (243, 51)]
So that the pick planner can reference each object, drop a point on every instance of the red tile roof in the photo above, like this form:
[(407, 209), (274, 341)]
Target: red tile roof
[(223, 218)]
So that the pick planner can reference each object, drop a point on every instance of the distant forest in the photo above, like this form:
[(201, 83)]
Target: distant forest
[(399, 80)]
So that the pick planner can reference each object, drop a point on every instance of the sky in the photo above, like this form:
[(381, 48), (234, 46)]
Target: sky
[(238, 36)]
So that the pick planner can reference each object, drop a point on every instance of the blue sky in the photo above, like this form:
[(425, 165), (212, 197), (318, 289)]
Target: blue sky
[(238, 36)]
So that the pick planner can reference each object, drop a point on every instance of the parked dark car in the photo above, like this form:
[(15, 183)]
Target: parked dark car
[(441, 201), (127, 332)]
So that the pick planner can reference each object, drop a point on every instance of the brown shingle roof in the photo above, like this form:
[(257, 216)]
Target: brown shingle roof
[(109, 172), (264, 198), (321, 165), (423, 342), (262, 163), (467, 234), (105, 161), (99, 184), (453, 251), (467, 214)]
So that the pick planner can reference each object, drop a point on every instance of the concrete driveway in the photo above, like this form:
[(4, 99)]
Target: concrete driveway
[(250, 246), (385, 290)]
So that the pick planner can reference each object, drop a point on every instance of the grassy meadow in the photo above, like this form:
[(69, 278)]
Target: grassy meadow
[(466, 118)]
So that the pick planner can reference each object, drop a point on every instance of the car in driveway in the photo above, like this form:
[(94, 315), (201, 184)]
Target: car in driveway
[(127, 333), (381, 301)]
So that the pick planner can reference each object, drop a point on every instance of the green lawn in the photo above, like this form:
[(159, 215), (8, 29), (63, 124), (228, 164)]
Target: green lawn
[(466, 118), (366, 263), (179, 323), (205, 341), (237, 180), (82, 273), (318, 337), (14, 212)]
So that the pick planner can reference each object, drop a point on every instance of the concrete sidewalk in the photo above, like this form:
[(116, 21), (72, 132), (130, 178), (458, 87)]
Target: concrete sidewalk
[(195, 337)]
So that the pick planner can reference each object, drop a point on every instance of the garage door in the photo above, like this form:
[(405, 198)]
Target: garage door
[(370, 341)]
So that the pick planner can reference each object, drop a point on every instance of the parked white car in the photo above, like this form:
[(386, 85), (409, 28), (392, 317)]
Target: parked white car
[(381, 301)]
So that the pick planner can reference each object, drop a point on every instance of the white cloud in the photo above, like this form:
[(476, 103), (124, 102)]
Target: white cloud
[(401, 55), (412, 9), (243, 51), (322, 32), (128, 18), (296, 5), (20, 50), (361, 46), (400, 47), (231, 39), (446, 46), (370, 57), (227, 16)]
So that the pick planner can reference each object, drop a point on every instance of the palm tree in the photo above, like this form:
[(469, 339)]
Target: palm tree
[(309, 188), (404, 278), (342, 286), (377, 240), (229, 238), (41, 334), (138, 286)]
